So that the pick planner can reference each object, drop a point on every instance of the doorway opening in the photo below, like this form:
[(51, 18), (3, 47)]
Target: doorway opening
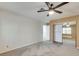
[(46, 32), (65, 33), (69, 33)]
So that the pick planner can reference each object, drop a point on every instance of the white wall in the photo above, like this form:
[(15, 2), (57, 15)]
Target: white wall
[(17, 31)]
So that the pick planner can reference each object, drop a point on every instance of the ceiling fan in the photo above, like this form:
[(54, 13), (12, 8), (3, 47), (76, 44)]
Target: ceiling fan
[(52, 9)]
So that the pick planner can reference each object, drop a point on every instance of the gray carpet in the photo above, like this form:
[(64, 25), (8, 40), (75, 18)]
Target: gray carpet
[(45, 48)]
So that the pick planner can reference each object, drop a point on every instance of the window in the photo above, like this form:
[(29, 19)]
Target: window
[(67, 30)]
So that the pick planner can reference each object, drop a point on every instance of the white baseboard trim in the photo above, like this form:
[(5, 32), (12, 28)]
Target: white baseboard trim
[(19, 47)]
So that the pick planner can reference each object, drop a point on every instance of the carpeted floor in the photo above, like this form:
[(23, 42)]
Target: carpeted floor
[(45, 48)]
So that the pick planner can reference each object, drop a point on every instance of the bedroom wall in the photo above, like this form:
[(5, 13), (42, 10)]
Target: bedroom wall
[(17, 31)]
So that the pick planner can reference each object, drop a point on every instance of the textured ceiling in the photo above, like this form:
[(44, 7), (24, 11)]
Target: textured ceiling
[(29, 9)]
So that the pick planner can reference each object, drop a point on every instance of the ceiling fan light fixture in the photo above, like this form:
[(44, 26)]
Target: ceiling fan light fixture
[(51, 12), (68, 25)]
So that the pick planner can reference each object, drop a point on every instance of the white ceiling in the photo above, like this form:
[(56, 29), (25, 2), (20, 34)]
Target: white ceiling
[(29, 9)]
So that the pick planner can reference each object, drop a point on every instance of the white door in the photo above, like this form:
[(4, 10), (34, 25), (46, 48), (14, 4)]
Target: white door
[(46, 32), (58, 33)]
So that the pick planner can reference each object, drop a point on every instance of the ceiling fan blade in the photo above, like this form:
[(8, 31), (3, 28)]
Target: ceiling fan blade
[(42, 10), (58, 11), (63, 3), (48, 4)]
